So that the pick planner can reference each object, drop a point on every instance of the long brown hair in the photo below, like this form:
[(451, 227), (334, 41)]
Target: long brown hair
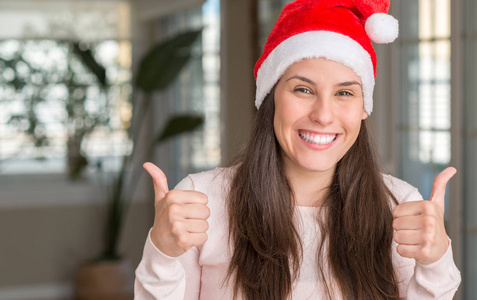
[(357, 226)]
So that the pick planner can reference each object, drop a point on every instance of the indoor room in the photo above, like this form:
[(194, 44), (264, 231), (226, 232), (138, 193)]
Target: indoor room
[(90, 90)]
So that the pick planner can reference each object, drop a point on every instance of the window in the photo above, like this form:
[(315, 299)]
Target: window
[(51, 104), (424, 91), (47, 96), (427, 95)]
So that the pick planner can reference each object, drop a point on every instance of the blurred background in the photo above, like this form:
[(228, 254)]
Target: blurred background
[(91, 89)]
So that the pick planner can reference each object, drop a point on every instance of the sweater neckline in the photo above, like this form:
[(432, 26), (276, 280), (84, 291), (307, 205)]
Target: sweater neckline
[(307, 207), (307, 210)]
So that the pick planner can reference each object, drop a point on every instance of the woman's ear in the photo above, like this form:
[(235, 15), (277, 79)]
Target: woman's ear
[(365, 115)]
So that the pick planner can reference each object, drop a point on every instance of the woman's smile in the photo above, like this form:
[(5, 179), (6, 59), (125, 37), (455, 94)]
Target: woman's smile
[(317, 138)]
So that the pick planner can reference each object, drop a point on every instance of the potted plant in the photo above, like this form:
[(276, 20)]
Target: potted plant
[(109, 276)]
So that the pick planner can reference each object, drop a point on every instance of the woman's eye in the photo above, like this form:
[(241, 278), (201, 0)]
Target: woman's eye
[(344, 93), (303, 90)]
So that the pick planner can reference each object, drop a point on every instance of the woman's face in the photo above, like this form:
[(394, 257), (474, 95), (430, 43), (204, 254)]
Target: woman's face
[(318, 113)]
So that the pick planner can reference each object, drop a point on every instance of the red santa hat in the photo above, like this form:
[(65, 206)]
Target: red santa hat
[(339, 30)]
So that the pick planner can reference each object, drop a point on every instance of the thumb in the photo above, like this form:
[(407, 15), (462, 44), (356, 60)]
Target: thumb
[(159, 179), (439, 187)]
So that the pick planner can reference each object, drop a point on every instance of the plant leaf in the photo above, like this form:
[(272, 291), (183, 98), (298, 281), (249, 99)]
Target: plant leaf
[(163, 63), (180, 124), (87, 58)]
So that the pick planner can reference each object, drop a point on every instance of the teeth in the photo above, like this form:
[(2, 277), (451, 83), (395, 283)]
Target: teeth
[(317, 139)]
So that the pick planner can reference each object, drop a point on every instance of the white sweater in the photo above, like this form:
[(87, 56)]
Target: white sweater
[(199, 273)]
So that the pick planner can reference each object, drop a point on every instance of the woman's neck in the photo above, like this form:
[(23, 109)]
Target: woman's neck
[(310, 188)]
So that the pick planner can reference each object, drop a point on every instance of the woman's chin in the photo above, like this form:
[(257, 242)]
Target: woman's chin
[(317, 166)]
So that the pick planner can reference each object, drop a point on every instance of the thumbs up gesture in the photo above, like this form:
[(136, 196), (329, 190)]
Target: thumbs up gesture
[(180, 221), (419, 225)]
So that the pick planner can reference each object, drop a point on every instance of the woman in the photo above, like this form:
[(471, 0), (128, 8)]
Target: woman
[(305, 213)]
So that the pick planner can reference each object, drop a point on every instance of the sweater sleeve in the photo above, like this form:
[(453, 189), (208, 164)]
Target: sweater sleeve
[(159, 276), (438, 280)]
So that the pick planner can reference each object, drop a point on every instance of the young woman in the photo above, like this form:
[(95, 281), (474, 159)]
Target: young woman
[(305, 213)]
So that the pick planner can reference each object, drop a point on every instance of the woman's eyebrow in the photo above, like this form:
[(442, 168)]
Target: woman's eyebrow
[(345, 83), (349, 83), (302, 79)]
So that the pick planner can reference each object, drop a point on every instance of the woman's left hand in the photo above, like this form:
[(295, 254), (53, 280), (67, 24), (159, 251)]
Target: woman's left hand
[(419, 225)]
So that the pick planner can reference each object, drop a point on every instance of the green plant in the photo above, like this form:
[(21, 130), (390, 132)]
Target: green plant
[(157, 70)]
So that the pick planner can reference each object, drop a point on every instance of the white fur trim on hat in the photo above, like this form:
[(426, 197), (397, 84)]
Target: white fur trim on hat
[(316, 44)]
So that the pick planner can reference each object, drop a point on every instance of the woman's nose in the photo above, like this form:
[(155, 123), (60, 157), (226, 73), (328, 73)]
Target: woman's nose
[(322, 111)]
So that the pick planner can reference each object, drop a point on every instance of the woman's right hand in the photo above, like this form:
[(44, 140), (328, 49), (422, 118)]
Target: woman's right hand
[(180, 221)]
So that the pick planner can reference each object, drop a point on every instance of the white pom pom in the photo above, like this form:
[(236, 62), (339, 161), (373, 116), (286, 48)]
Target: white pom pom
[(382, 28)]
